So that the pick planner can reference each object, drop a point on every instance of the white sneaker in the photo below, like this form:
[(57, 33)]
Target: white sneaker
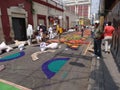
[(98, 57)]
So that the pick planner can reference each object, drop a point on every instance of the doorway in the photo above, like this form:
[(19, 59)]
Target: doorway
[(19, 28)]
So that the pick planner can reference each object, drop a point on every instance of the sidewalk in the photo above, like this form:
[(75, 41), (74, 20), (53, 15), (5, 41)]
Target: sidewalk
[(104, 74)]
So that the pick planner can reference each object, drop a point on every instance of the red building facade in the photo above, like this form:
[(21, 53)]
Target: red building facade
[(15, 15), (8, 15)]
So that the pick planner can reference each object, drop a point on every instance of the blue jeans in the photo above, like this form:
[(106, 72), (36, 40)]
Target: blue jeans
[(92, 34), (97, 47)]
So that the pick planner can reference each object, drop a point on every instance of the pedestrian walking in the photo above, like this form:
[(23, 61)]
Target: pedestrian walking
[(98, 32), (108, 31), (82, 31)]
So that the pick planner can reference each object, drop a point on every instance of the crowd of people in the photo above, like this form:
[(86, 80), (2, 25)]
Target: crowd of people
[(42, 33), (102, 34), (98, 33)]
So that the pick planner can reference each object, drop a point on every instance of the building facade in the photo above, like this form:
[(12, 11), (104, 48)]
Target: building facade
[(82, 10), (80, 7), (17, 14), (110, 11)]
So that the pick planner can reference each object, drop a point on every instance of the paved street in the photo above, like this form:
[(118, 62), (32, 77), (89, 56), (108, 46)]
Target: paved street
[(74, 75), (76, 24), (80, 72)]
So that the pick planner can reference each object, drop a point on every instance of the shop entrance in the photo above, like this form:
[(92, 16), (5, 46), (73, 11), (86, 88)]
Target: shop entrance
[(19, 28)]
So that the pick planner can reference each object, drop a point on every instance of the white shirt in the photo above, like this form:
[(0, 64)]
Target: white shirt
[(50, 29), (29, 30)]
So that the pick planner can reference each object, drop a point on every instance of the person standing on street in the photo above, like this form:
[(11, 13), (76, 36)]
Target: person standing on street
[(97, 39), (39, 36), (29, 34), (50, 30), (76, 28), (59, 31), (108, 31)]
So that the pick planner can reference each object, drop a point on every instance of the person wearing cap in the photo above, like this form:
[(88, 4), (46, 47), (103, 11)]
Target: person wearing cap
[(97, 40)]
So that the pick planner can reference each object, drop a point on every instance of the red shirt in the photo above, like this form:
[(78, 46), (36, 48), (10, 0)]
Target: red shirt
[(108, 30)]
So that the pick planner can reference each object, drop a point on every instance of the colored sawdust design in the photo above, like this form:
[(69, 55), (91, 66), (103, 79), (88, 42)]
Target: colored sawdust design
[(51, 67), (12, 56), (73, 47), (34, 55), (6, 85)]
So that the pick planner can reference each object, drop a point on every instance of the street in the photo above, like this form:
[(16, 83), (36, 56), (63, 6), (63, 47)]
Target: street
[(72, 75)]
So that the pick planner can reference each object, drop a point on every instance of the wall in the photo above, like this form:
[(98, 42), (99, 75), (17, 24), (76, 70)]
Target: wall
[(114, 16), (52, 11), (8, 11), (72, 18), (41, 7), (1, 30)]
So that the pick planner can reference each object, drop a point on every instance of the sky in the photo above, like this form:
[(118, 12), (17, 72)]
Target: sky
[(94, 6)]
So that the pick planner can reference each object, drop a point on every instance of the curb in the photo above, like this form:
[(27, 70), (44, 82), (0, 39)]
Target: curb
[(96, 79), (92, 81)]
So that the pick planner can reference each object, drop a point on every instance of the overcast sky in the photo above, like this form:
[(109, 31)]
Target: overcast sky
[(94, 6)]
